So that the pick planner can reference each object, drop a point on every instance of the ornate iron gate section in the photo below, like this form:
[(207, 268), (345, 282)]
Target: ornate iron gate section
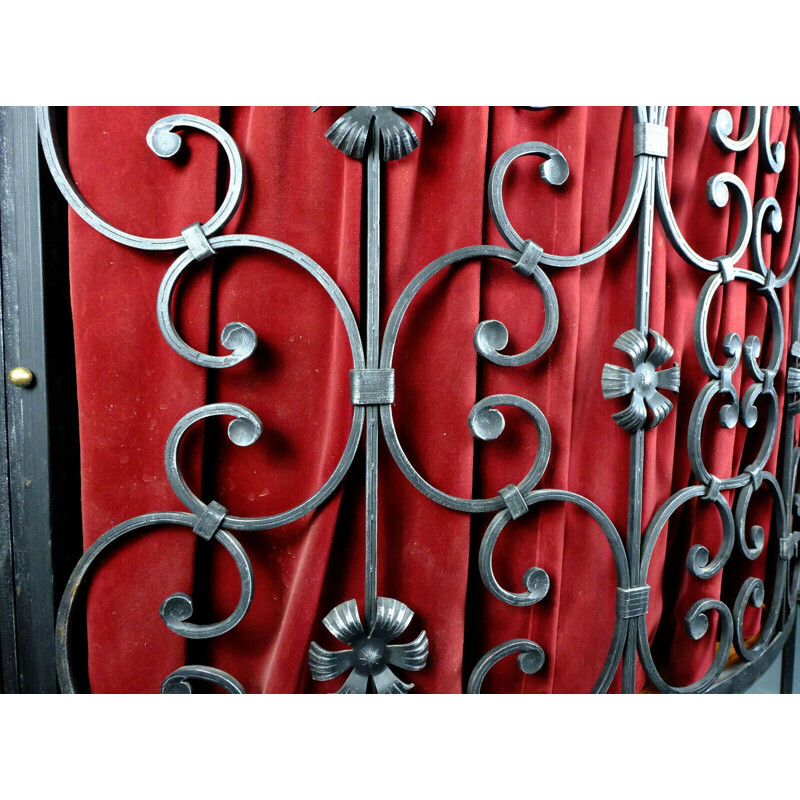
[(376, 134)]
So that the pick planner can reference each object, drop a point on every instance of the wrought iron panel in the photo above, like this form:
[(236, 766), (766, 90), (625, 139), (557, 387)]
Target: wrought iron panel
[(380, 643)]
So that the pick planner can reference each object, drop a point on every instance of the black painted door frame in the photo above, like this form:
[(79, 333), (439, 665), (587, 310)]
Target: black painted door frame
[(27, 654)]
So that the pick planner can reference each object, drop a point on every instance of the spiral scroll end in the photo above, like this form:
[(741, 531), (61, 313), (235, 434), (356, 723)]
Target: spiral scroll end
[(243, 431), (176, 609), (717, 191), (720, 126), (490, 337), (752, 351), (755, 546), (537, 582), (778, 156), (486, 424), (696, 626), (749, 415), (697, 562), (163, 140), (757, 594), (555, 170), (728, 416), (531, 661), (732, 345), (239, 338), (773, 219)]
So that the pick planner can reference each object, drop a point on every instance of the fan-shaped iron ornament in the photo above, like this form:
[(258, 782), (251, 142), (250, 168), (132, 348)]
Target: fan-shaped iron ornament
[(378, 134), (350, 132)]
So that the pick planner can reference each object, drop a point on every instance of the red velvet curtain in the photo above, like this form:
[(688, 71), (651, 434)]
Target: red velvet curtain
[(132, 389)]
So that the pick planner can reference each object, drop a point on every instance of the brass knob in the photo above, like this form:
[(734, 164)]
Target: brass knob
[(20, 376)]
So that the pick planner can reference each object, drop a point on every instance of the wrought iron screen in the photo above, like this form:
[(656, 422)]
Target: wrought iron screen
[(370, 626)]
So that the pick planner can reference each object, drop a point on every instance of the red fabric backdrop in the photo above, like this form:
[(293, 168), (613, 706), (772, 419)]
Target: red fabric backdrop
[(133, 388)]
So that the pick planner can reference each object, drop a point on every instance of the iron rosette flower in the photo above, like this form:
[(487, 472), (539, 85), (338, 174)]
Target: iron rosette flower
[(643, 382), (371, 654), (349, 133)]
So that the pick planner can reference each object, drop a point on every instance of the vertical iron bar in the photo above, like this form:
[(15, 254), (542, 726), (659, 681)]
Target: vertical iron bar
[(644, 258), (373, 355), (787, 431), (9, 684), (26, 407), (633, 541), (787, 661), (787, 487)]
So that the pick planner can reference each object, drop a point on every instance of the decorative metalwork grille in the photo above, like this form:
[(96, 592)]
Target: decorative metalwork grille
[(370, 628)]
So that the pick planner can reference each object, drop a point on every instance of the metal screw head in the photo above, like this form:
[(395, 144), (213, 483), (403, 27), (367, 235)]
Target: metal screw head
[(20, 376)]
